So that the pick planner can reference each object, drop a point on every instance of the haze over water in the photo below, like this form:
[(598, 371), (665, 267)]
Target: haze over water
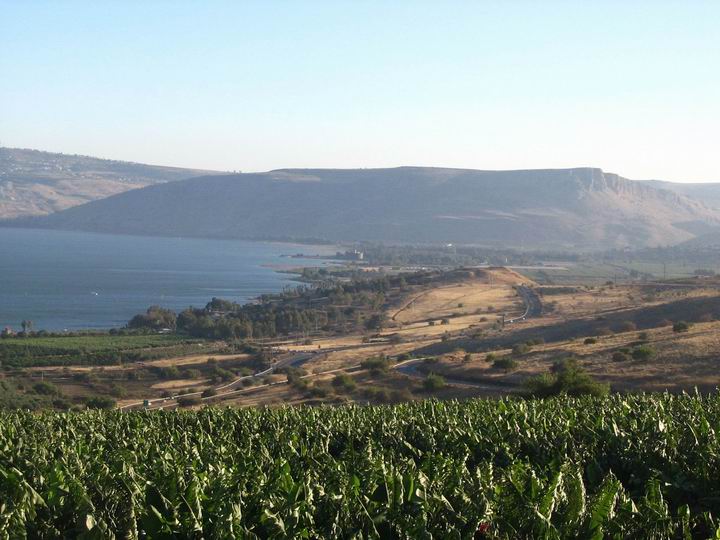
[(71, 280)]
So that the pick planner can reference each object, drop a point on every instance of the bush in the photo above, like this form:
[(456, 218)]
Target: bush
[(643, 336), (490, 357), (620, 357), (188, 401), (590, 341), (681, 326), (433, 383), (565, 377), (376, 365), (445, 321), (319, 390), (344, 382), (100, 402), (520, 349), (209, 392), (505, 363), (643, 352), (45, 388)]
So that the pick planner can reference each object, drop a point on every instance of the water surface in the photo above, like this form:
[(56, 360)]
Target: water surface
[(74, 280)]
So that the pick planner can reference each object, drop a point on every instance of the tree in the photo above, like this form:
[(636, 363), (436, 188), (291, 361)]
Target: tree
[(27, 326), (155, 318)]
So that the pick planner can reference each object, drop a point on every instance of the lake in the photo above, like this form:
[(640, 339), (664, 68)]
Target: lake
[(73, 280)]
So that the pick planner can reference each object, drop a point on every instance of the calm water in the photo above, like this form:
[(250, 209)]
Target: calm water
[(70, 280)]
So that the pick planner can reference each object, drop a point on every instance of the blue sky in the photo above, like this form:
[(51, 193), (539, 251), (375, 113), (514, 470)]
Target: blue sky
[(632, 87)]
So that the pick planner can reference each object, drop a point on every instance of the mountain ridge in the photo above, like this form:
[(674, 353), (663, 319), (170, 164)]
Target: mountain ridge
[(34, 182), (576, 208)]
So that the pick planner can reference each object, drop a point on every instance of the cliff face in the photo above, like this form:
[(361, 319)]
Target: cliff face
[(581, 208)]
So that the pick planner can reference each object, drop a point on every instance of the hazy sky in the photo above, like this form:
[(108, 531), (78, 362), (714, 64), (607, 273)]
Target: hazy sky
[(632, 87)]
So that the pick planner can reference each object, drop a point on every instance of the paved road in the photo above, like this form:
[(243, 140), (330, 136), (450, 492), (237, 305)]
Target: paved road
[(409, 367), (292, 359), (533, 305)]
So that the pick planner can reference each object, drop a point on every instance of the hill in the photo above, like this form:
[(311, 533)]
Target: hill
[(708, 193), (555, 208), (35, 183)]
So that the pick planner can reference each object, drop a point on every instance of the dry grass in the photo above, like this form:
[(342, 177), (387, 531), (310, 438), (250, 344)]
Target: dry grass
[(682, 361)]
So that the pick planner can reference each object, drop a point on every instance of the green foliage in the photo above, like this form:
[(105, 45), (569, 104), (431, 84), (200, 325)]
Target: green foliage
[(433, 382), (344, 382), (643, 353), (103, 349), (100, 402), (155, 318), (376, 365), (505, 363), (566, 377), (607, 467), (590, 341)]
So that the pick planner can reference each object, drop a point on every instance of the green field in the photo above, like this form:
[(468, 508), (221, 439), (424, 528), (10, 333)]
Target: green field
[(615, 467), (91, 349)]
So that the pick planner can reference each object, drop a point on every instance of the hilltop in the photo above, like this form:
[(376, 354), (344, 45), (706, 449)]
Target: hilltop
[(583, 208), (36, 183)]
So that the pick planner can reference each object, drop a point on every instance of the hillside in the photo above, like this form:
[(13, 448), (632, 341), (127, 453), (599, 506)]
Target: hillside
[(708, 193), (36, 183), (562, 208)]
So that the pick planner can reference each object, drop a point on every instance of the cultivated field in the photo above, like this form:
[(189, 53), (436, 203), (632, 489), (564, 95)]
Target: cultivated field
[(620, 466)]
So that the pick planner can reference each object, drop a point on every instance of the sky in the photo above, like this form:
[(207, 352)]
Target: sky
[(632, 87)]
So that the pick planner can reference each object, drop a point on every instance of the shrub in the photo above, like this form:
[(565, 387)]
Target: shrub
[(319, 390), (445, 321), (681, 326), (620, 357), (100, 402), (433, 383), (192, 374), (643, 352), (209, 392), (643, 336), (490, 357), (45, 388), (376, 365), (344, 382), (505, 363), (520, 349), (590, 341), (565, 377), (188, 401)]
